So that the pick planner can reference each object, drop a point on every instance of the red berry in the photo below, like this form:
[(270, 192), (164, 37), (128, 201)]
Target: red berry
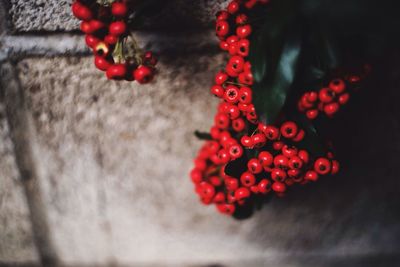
[(221, 78), (96, 25), (217, 90), (245, 95), (238, 125), (331, 108), (266, 158), (231, 184), (110, 39), (119, 9), (304, 156), (335, 167), (233, 7), (81, 11), (231, 94), (258, 139), (236, 151), (264, 186), (241, 19), (281, 161), (295, 163), (322, 166), (101, 63), (247, 179), (196, 176), (326, 95), (117, 28), (272, 132), (311, 176), (243, 31), (254, 166), (242, 47), (85, 27), (279, 187), (278, 145), (228, 209), (337, 85), (236, 63), (312, 114), (300, 136), (246, 77), (207, 190), (289, 151), (222, 28), (343, 99), (242, 193), (219, 197), (116, 72), (91, 41), (222, 121), (289, 129), (143, 74), (247, 141), (222, 15)]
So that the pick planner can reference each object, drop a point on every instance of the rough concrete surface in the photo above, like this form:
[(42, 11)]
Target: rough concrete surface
[(55, 15), (16, 241)]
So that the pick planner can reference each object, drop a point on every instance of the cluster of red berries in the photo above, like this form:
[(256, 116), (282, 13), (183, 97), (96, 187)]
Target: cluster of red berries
[(277, 161), (116, 52), (331, 97)]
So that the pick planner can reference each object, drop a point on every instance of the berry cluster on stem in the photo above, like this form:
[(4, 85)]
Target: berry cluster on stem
[(116, 50)]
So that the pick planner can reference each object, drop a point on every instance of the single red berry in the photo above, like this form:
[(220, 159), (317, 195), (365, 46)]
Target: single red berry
[(246, 141), (200, 164), (116, 72), (304, 156), (243, 31), (326, 95), (222, 28), (233, 7), (264, 186), (91, 40), (224, 156), (143, 74), (233, 49), (196, 176), (295, 163), (222, 15), (278, 145), (322, 166), (219, 197), (279, 187), (289, 151), (331, 109), (222, 121), (311, 176), (207, 190), (96, 25), (293, 173), (312, 114), (266, 158), (242, 193), (245, 95), (231, 94), (231, 184), (117, 28), (241, 19), (215, 132), (250, 3), (101, 63), (258, 139), (218, 91), (272, 132), (85, 27), (236, 151), (221, 78), (228, 209), (119, 9), (278, 175), (247, 179), (337, 85), (289, 129), (246, 77), (236, 63), (110, 39), (243, 47), (254, 166), (224, 136), (81, 11), (281, 161), (344, 98), (335, 167), (224, 45), (300, 136), (238, 125)]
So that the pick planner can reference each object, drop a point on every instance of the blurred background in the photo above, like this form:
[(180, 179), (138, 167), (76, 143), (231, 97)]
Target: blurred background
[(95, 172)]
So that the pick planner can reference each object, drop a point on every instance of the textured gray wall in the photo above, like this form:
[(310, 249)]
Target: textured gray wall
[(104, 165)]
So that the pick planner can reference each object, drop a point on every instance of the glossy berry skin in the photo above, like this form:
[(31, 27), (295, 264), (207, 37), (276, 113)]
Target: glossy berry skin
[(241, 19), (311, 176), (272, 132), (243, 31), (196, 176), (222, 28), (281, 161), (331, 109), (335, 167), (258, 139), (110, 39), (312, 114), (238, 125), (247, 179), (242, 193), (289, 129), (344, 98), (322, 166), (295, 163), (119, 9), (218, 91), (116, 72), (231, 94), (278, 175), (279, 187), (222, 15), (289, 152), (326, 95), (207, 190), (304, 156), (143, 74), (233, 7), (254, 166), (117, 28), (246, 141), (91, 41), (266, 158), (101, 63), (338, 86), (81, 11), (221, 78), (231, 184), (264, 186), (245, 95), (228, 209), (236, 151)]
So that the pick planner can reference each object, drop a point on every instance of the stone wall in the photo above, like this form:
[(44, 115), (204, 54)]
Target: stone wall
[(95, 173)]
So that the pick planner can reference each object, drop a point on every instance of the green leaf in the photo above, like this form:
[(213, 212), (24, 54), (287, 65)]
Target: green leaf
[(275, 73), (202, 135)]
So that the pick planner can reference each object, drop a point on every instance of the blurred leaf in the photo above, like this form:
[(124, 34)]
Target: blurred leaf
[(202, 135)]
